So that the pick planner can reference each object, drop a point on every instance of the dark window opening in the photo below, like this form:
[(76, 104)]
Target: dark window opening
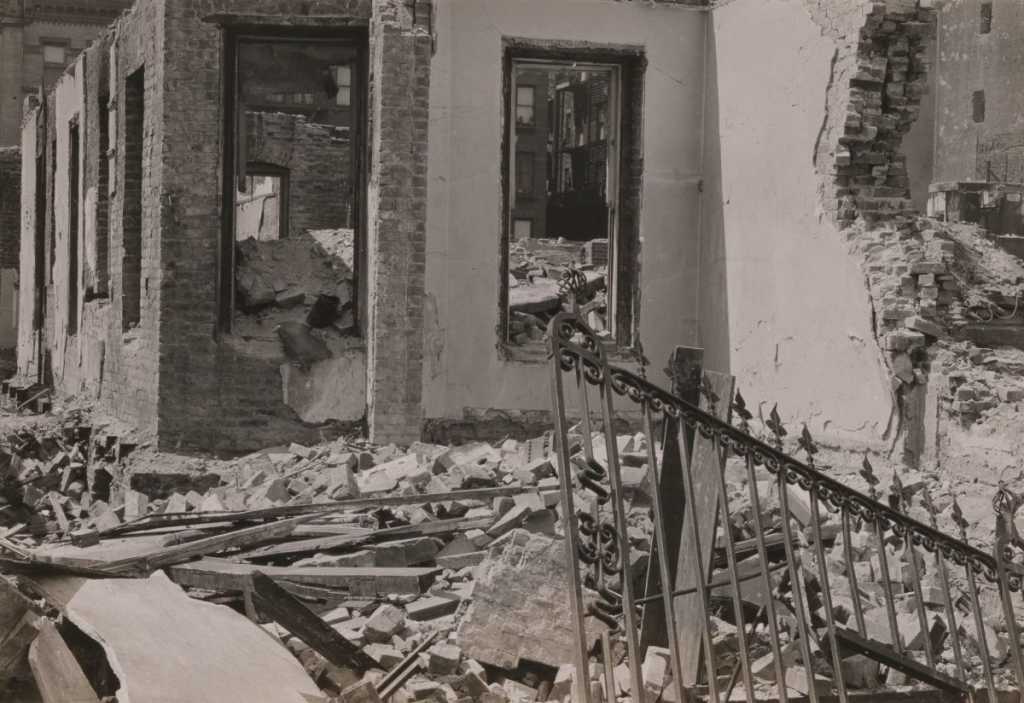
[(74, 275), (985, 25), (131, 277), (51, 189), (99, 287), (524, 174), (564, 180), (40, 241), (978, 105), (525, 96), (296, 127)]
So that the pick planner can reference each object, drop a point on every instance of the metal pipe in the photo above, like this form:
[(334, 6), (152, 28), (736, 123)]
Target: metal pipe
[(826, 595)]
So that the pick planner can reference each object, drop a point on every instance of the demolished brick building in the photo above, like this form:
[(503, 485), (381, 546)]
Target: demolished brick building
[(291, 219)]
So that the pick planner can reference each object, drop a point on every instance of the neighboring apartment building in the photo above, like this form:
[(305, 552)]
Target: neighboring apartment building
[(38, 39), (979, 169)]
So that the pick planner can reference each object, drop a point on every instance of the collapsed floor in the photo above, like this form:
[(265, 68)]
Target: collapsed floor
[(426, 573)]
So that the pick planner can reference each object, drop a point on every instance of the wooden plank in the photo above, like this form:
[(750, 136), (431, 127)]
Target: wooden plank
[(705, 503), (208, 545), (58, 512), (167, 646), (888, 655), (59, 678), (685, 366), (322, 544), (284, 609), (180, 519), (223, 575)]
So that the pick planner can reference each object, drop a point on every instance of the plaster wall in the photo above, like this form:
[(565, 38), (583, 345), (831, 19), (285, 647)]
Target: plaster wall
[(784, 307), (462, 365), (28, 337)]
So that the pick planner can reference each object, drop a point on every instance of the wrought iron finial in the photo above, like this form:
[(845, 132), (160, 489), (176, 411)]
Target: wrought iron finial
[(707, 392), (774, 424), (739, 407), (896, 492), (867, 472), (806, 443), (959, 520)]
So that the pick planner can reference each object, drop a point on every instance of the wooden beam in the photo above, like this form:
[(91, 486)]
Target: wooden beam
[(179, 553), (886, 654), (223, 575), (59, 678), (705, 502), (684, 366), (180, 519), (321, 544), (284, 609)]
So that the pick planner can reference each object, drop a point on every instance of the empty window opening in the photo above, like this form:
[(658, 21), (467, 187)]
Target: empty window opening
[(563, 198), (98, 285), (40, 238), (261, 211), (978, 105), (296, 150), (131, 267), (54, 55), (51, 189), (74, 275), (985, 25)]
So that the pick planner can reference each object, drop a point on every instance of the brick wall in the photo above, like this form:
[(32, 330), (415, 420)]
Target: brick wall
[(318, 160), (875, 98), (216, 392), (400, 43)]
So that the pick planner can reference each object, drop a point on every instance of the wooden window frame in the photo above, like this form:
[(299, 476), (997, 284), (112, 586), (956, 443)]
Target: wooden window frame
[(623, 286), (232, 36)]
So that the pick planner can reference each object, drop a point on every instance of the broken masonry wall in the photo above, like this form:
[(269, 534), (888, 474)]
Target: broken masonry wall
[(98, 360), (465, 374), (970, 61), (319, 163), (783, 305), (10, 235), (231, 392)]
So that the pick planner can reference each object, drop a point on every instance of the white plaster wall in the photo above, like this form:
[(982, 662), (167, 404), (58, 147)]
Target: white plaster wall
[(784, 306), (68, 102), (27, 337), (462, 364)]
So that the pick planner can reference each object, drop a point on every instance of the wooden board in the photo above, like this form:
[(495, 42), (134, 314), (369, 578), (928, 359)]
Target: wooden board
[(164, 646), (685, 364), (58, 676), (222, 575), (705, 503), (322, 544), (284, 609)]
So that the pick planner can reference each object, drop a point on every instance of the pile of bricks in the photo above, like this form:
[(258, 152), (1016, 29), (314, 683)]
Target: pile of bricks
[(885, 91)]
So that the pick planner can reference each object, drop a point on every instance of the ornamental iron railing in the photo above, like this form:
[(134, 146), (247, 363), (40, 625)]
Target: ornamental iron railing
[(811, 588)]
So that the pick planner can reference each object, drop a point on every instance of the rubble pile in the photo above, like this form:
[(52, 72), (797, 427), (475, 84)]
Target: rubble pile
[(536, 271), (425, 573)]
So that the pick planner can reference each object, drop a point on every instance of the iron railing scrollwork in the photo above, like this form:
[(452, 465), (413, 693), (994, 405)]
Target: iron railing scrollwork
[(902, 548)]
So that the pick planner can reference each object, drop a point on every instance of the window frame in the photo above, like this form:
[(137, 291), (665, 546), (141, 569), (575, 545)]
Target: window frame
[(625, 109), (532, 124), (232, 36), (262, 168)]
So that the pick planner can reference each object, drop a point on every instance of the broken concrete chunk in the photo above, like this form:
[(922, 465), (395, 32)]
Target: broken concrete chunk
[(444, 658), (385, 622)]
